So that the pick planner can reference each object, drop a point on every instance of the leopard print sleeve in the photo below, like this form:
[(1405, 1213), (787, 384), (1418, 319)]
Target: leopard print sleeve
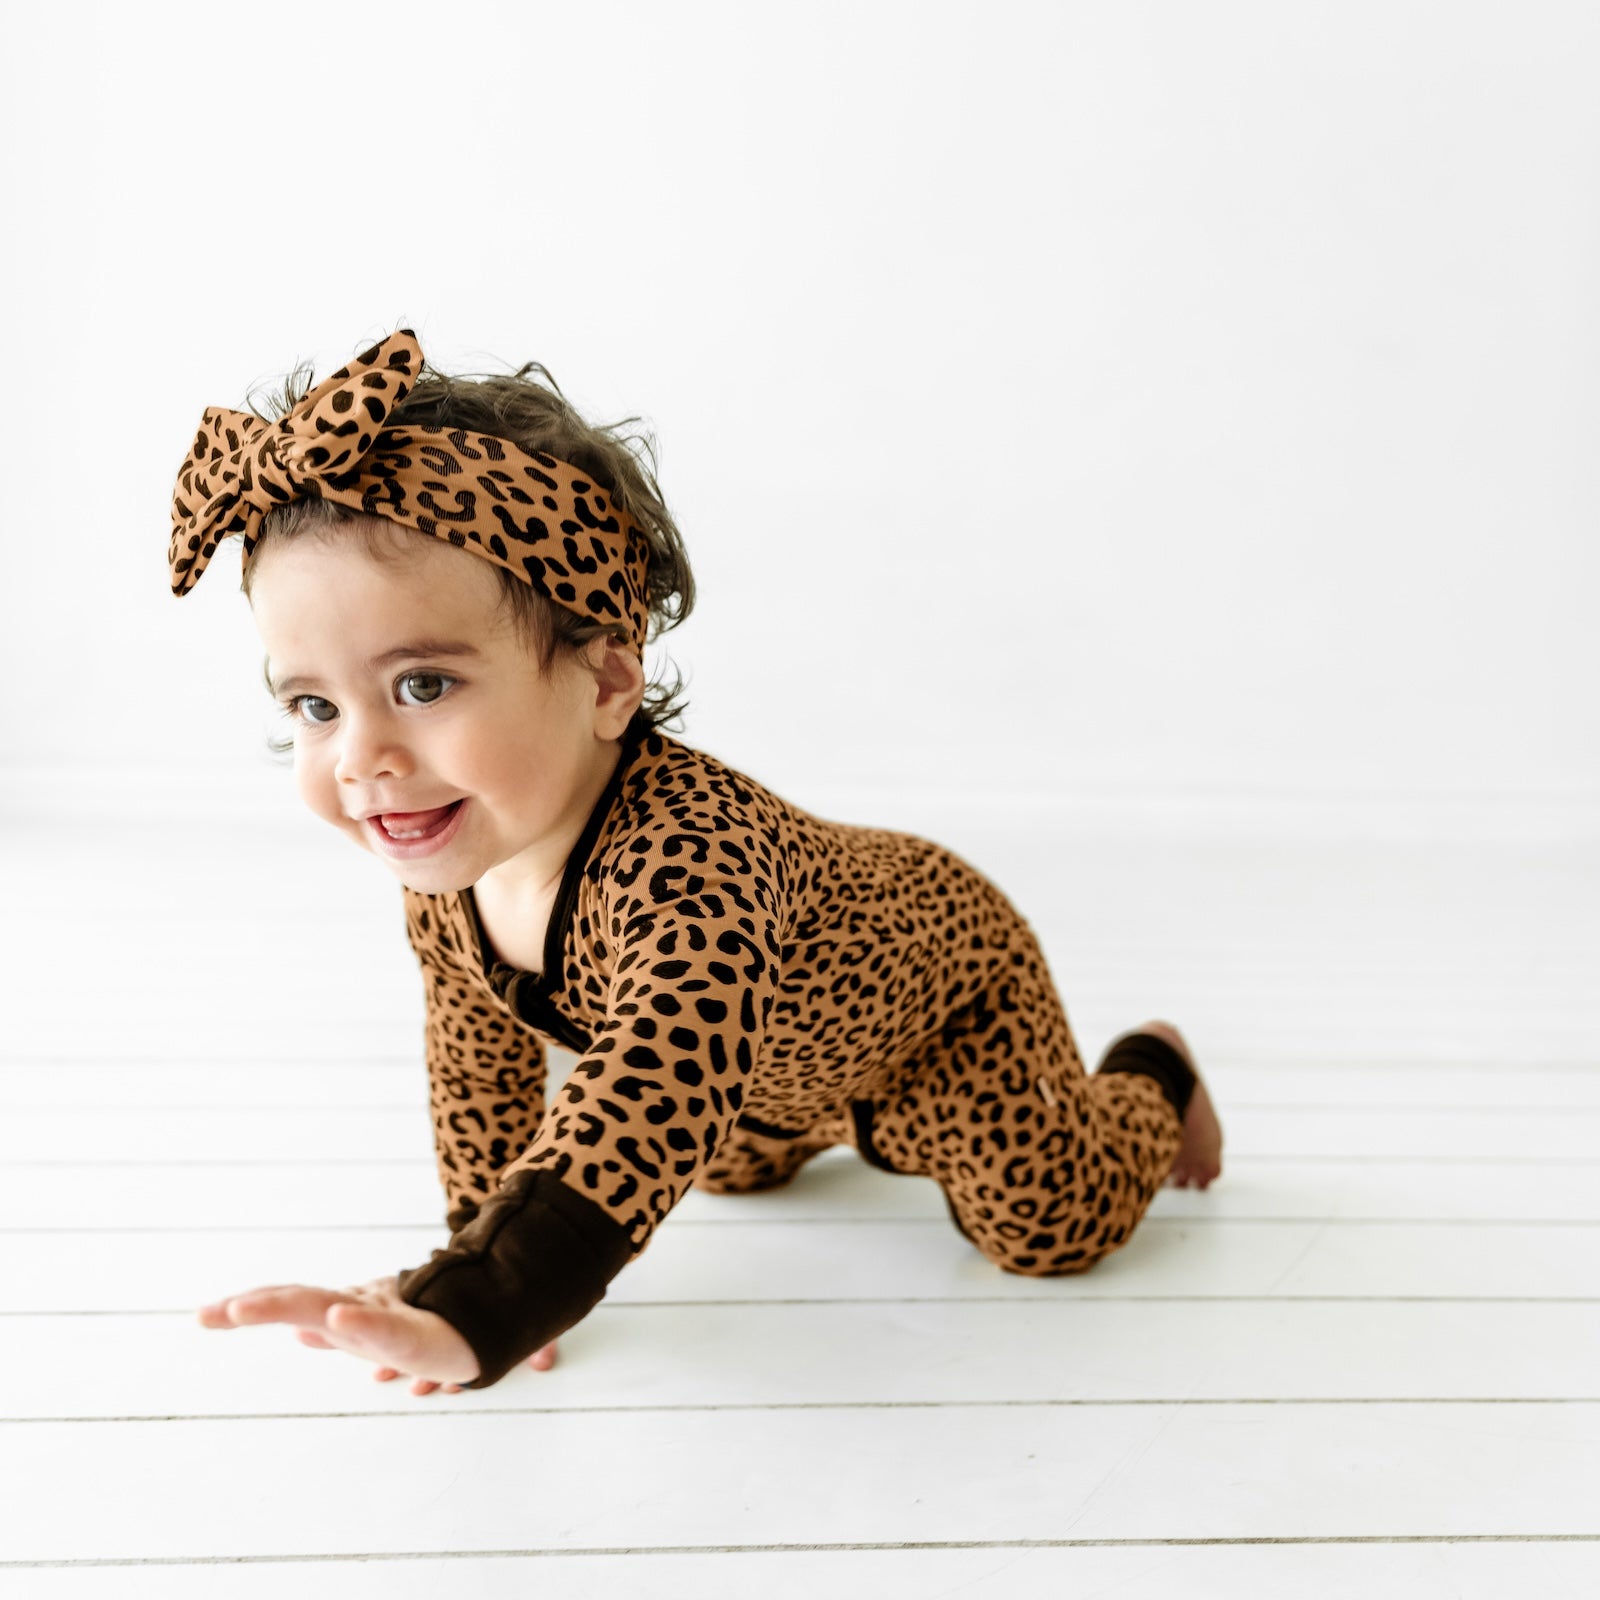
[(486, 1073), (692, 940)]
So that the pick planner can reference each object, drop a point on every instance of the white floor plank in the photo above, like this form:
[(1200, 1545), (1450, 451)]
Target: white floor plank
[(1472, 1569), (801, 1478)]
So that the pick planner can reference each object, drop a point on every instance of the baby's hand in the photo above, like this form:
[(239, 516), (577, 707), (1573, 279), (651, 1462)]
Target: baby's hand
[(370, 1320)]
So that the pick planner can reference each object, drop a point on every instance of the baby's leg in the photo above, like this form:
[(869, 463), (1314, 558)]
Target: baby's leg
[(1046, 1168), (746, 1161)]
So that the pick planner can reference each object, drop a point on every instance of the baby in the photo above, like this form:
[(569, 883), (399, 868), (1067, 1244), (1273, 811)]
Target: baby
[(744, 984)]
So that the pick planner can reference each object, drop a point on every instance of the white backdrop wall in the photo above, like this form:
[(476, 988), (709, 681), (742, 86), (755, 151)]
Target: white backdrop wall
[(1146, 408)]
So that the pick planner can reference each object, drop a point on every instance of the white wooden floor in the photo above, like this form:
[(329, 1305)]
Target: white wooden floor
[(1364, 1362)]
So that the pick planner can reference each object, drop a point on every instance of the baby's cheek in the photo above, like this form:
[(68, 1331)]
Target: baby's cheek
[(318, 793)]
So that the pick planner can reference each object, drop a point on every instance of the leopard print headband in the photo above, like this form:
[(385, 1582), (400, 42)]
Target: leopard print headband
[(537, 517)]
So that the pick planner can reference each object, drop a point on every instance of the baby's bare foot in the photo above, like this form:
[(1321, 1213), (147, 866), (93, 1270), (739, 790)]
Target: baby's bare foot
[(1199, 1157)]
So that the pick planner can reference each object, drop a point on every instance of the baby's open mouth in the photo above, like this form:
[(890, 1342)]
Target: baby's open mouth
[(416, 824)]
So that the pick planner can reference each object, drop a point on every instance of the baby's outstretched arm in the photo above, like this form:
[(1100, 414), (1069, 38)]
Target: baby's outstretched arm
[(694, 947)]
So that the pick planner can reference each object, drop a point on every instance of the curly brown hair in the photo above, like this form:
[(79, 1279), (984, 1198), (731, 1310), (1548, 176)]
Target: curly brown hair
[(537, 416)]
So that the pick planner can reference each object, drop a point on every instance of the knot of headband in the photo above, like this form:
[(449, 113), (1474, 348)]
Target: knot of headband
[(537, 517)]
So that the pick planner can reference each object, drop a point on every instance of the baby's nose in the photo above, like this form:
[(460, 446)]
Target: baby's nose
[(368, 756)]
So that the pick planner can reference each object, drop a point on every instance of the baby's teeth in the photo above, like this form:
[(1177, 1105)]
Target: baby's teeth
[(432, 826)]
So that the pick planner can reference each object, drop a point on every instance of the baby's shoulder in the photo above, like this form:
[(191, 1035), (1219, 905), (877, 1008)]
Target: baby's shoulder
[(670, 783), (685, 821)]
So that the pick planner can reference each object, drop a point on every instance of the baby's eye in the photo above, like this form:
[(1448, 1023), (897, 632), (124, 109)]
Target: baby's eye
[(426, 698), (296, 703)]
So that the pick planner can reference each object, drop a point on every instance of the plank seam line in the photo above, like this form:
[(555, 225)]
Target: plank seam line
[(819, 1548), (816, 1405), (953, 1300)]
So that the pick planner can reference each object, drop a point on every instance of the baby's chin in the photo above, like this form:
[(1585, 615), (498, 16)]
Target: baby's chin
[(423, 877)]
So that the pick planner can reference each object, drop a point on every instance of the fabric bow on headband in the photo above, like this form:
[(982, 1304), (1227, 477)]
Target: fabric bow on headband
[(537, 517)]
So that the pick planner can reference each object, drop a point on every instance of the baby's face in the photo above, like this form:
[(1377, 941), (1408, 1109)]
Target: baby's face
[(386, 719)]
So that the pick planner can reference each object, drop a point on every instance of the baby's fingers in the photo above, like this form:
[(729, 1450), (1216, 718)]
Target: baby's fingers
[(298, 1303), (421, 1386)]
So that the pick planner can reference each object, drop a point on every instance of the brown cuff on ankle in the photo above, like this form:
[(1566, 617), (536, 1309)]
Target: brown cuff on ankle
[(1151, 1055)]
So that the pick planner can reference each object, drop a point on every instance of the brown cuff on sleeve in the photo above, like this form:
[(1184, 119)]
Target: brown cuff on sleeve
[(533, 1262), (1152, 1056)]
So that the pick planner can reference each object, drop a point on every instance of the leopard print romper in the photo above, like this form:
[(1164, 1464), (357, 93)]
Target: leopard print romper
[(746, 985)]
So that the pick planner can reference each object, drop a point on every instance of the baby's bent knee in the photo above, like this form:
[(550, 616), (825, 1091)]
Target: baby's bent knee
[(1035, 1257)]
